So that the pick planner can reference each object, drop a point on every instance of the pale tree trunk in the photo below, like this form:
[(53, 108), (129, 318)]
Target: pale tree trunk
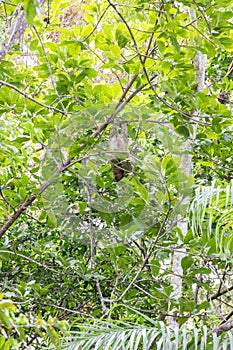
[(186, 164)]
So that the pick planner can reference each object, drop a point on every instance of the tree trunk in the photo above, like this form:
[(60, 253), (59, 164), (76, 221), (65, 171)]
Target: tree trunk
[(186, 164)]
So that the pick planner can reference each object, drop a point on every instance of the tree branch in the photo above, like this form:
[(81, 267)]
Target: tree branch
[(219, 294), (15, 31), (119, 108), (23, 206), (225, 327), (31, 98)]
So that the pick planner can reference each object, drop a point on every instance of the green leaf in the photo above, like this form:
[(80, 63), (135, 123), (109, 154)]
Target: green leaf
[(161, 46), (187, 306), (122, 40), (34, 44), (51, 219), (115, 51), (227, 43), (4, 319), (186, 263), (155, 267), (206, 163), (169, 165), (210, 49), (204, 305), (216, 125), (7, 304), (86, 30), (165, 67), (182, 130), (91, 73), (175, 43), (30, 7), (202, 270)]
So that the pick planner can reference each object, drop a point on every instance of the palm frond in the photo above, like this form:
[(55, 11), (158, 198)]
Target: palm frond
[(111, 336), (211, 213)]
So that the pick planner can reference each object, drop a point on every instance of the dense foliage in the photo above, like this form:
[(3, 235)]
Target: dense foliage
[(77, 246)]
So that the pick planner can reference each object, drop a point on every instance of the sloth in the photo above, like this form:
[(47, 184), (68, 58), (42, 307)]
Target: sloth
[(120, 168), (223, 97), (118, 147)]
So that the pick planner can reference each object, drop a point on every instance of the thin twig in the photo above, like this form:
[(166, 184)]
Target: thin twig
[(75, 312), (50, 72), (31, 98), (29, 259), (142, 60), (98, 22), (230, 70), (203, 15), (93, 247)]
